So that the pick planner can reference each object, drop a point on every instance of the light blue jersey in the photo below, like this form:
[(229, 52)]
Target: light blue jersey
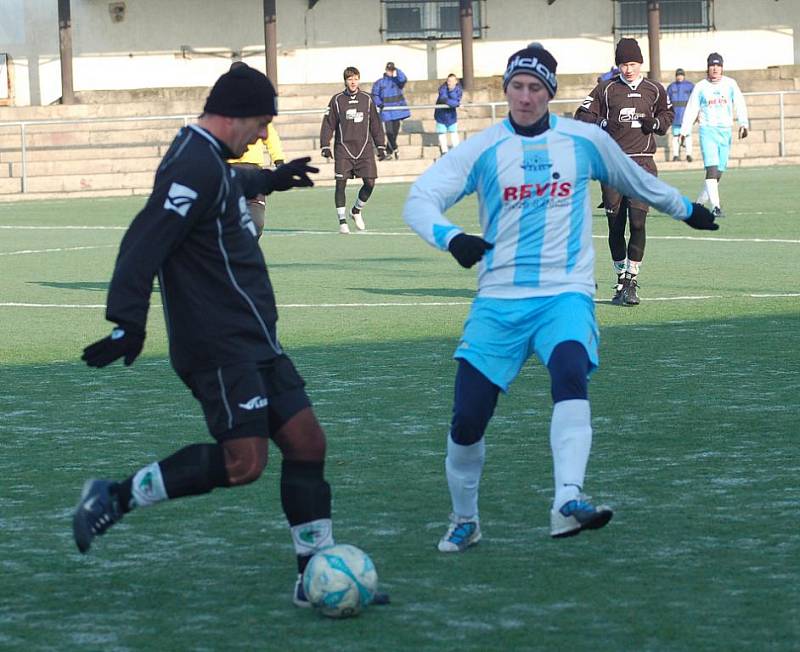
[(714, 103), (534, 203)]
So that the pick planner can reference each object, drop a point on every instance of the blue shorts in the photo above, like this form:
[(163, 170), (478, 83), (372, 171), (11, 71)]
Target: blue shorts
[(715, 145), (501, 334), (443, 129)]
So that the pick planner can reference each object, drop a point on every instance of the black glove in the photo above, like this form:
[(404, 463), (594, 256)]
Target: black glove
[(279, 162), (326, 152), (382, 155), (743, 133), (701, 218), (124, 342), (293, 174), (649, 125), (468, 249)]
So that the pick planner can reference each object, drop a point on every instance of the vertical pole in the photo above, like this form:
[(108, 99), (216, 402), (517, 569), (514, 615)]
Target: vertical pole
[(24, 150), (783, 126), (467, 73), (65, 51), (271, 41), (653, 38)]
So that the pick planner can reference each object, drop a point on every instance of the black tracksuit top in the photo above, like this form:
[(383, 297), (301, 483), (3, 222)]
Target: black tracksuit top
[(195, 233)]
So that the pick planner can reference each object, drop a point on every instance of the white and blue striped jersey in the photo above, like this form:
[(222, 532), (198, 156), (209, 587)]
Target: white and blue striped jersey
[(534, 203), (714, 103)]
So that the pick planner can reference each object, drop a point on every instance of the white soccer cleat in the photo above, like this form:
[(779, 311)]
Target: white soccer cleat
[(578, 514), (461, 534), (358, 220), (343, 228)]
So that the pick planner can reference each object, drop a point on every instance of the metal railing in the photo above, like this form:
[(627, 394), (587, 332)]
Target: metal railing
[(186, 118)]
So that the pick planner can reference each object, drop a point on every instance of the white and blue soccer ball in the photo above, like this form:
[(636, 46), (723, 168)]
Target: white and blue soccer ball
[(340, 580)]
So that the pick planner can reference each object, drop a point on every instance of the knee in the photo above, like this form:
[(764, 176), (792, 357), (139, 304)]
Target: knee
[(469, 423), (637, 220), (245, 464), (569, 372)]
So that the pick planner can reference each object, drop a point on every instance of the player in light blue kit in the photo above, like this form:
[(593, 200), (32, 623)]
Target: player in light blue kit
[(714, 99), (531, 173)]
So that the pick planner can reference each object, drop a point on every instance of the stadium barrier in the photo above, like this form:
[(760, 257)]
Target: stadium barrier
[(497, 109)]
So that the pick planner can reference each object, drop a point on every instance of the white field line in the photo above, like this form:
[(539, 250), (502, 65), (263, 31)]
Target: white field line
[(399, 304), (53, 250)]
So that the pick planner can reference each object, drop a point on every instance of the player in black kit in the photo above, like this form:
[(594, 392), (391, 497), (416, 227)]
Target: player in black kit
[(195, 233), (633, 110)]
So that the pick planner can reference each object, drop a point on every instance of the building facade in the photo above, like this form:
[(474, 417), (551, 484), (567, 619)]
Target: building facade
[(124, 44)]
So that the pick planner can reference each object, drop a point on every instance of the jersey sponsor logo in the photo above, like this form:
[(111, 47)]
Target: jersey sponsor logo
[(355, 115), (179, 199), (246, 219), (634, 94), (523, 191), (255, 403)]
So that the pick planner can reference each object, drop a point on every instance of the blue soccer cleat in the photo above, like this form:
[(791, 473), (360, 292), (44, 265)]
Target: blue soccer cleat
[(461, 534), (576, 515), (98, 509)]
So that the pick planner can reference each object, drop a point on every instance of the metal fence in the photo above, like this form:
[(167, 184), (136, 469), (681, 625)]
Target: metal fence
[(497, 109)]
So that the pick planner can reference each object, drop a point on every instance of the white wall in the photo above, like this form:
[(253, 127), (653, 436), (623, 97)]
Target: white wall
[(314, 46)]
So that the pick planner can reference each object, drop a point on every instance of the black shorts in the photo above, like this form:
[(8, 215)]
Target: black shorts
[(612, 199), (364, 167), (252, 399)]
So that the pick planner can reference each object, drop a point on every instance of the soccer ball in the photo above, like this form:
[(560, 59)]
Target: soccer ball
[(340, 580)]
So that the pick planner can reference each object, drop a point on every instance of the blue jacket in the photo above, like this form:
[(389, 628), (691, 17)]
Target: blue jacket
[(452, 98), (678, 93), (387, 93)]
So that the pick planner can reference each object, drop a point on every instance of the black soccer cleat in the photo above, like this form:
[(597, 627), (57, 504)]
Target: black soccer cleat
[(619, 292), (630, 296), (717, 212), (98, 509)]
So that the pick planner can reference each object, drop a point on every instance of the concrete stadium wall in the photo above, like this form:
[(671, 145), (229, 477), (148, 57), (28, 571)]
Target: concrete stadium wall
[(144, 50)]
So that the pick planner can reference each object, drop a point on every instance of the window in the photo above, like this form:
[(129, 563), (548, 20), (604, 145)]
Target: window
[(630, 16), (427, 19)]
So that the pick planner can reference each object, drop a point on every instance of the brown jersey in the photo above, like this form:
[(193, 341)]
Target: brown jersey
[(354, 120), (616, 107)]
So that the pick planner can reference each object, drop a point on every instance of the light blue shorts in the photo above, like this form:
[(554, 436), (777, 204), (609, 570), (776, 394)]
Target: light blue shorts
[(501, 334), (444, 129), (676, 130), (715, 145)]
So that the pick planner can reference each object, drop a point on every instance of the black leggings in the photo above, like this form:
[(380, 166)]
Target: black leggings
[(340, 198), (635, 217)]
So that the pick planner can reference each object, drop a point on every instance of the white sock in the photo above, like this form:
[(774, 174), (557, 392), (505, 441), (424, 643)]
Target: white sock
[(619, 268), (712, 190), (702, 198), (358, 205), (571, 442), (147, 487), (310, 537), (464, 465), (340, 212), (443, 143), (633, 267), (455, 138), (687, 143), (676, 146)]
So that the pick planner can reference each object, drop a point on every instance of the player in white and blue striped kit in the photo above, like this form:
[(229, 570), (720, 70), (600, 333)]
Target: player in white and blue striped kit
[(531, 173), (714, 100)]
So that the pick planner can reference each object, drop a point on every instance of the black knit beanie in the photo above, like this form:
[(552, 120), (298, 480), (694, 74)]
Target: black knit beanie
[(242, 92), (533, 60), (628, 50)]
